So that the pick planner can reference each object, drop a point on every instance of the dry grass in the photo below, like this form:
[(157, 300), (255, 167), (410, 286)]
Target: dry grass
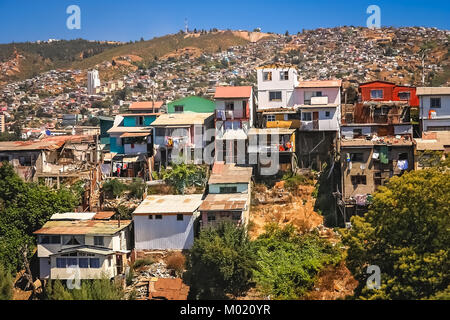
[(176, 261)]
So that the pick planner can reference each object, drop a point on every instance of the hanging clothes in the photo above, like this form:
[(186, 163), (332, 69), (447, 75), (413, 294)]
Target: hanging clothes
[(384, 158), (402, 164)]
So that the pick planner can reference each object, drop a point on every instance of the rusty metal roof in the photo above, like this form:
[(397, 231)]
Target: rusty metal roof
[(230, 173), (167, 204), (225, 202), (92, 227), (104, 215), (50, 143), (170, 289)]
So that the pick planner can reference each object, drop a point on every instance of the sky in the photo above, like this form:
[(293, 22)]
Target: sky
[(125, 20)]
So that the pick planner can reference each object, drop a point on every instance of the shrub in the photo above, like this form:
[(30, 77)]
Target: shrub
[(176, 261), (137, 188), (6, 284), (114, 188)]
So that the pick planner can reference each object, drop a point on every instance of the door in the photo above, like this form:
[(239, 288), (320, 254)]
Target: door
[(316, 120)]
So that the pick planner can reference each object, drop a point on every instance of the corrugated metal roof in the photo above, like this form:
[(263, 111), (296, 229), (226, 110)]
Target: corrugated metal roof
[(422, 91), (86, 249), (176, 119), (104, 215), (233, 92), (135, 134), (225, 202), (50, 143), (230, 173), (73, 216), (161, 204), (93, 227)]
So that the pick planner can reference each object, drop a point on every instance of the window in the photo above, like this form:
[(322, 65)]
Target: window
[(404, 95), (94, 263), (271, 117), (327, 114), (275, 96), (306, 116), (284, 75), (25, 161), (228, 189), (160, 132), (267, 76), (73, 240), (403, 156), (60, 262), (357, 133), (72, 262), (211, 217), (229, 106), (150, 217), (99, 241), (158, 217), (357, 157), (83, 263), (435, 102), (236, 216), (356, 180), (376, 94), (140, 121), (180, 217), (179, 108)]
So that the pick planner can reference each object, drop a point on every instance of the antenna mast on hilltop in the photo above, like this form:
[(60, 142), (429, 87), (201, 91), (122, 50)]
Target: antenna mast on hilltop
[(186, 26)]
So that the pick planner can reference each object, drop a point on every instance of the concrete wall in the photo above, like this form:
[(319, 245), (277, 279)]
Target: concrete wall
[(285, 86), (333, 94)]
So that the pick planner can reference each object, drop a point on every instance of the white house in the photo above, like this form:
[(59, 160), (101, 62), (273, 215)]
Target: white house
[(434, 108), (276, 85), (166, 222), (320, 104), (83, 247)]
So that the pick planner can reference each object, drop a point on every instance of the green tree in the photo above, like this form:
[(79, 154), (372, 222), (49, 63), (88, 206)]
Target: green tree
[(24, 208), (405, 233), (221, 262), (288, 263), (6, 284)]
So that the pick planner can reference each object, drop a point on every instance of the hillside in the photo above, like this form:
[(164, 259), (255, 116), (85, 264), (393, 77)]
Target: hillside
[(25, 60)]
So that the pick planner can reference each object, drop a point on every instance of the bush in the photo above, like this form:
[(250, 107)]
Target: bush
[(137, 188), (221, 262), (114, 188), (143, 262), (288, 263), (176, 261), (6, 284), (183, 176)]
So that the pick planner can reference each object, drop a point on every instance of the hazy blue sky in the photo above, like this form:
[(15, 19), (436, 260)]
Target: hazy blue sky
[(124, 20)]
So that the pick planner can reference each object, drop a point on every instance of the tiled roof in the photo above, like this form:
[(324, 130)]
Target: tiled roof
[(233, 92)]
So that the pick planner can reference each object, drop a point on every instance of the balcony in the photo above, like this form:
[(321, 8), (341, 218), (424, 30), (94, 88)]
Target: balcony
[(229, 114), (319, 100)]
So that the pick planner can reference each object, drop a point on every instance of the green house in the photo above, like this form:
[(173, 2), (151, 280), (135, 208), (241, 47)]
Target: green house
[(191, 104)]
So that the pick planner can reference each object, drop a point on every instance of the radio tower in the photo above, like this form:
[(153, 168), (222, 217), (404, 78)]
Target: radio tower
[(186, 26)]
